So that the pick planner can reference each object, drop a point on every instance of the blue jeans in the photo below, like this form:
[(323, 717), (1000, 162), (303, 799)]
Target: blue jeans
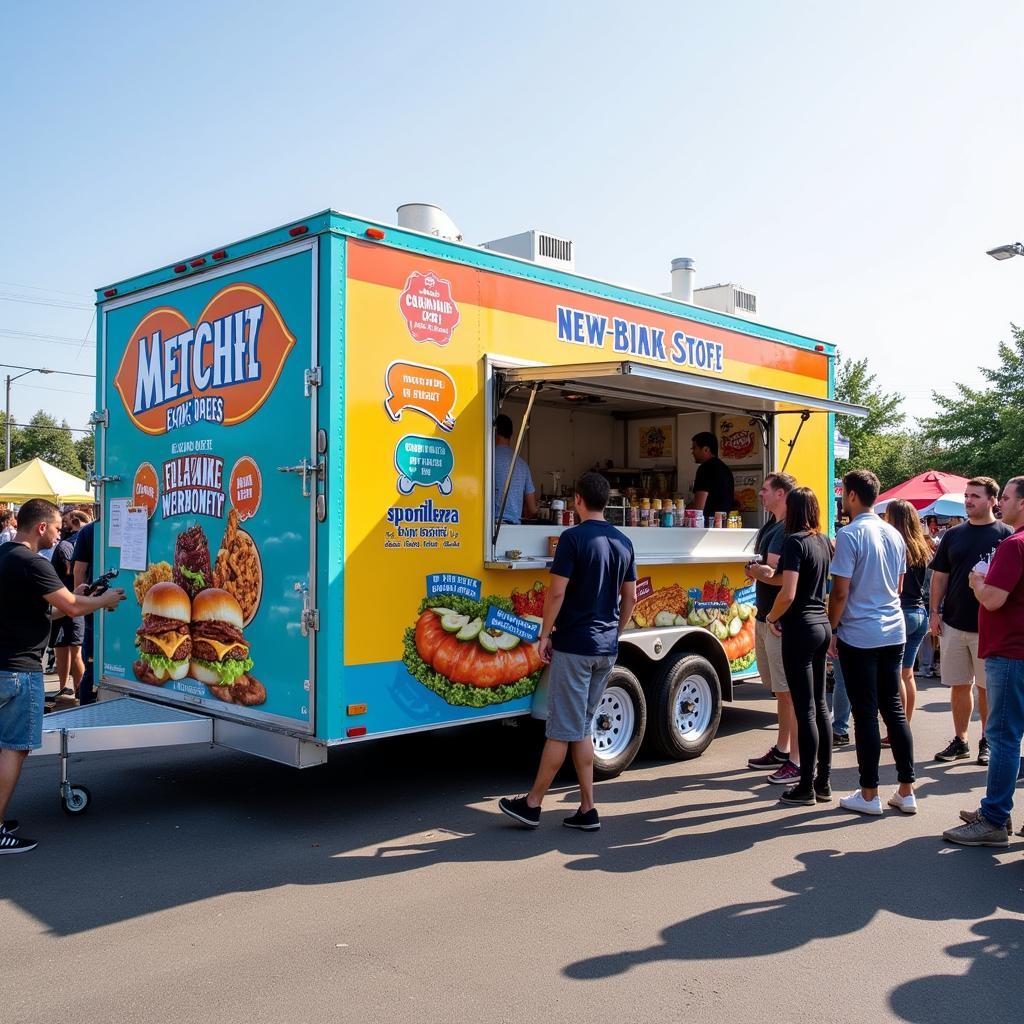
[(840, 701), (916, 620), (1003, 730)]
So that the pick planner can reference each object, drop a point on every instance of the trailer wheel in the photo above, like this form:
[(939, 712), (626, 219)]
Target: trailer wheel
[(619, 723), (686, 699), (76, 800)]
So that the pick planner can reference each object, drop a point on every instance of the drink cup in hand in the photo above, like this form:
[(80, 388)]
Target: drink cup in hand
[(981, 567)]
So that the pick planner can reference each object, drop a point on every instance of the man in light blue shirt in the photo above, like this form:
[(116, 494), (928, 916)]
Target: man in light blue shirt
[(866, 617), (522, 495)]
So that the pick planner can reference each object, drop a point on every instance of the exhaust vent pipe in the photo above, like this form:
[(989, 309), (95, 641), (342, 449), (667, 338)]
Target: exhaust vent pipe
[(428, 220), (683, 270)]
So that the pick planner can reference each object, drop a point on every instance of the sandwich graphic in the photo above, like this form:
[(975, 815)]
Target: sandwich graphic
[(163, 639)]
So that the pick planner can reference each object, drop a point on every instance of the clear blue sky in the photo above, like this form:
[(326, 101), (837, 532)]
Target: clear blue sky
[(850, 163)]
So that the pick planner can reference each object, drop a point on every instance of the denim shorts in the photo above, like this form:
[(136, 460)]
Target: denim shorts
[(916, 620), (575, 685), (21, 710)]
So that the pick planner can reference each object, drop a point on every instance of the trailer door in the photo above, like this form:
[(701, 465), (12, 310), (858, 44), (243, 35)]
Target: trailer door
[(207, 391)]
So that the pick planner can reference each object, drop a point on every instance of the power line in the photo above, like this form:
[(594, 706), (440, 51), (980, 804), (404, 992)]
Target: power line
[(43, 302), (57, 339), (64, 373), (15, 425), (36, 288)]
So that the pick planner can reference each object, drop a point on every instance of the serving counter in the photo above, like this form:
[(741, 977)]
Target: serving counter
[(526, 547)]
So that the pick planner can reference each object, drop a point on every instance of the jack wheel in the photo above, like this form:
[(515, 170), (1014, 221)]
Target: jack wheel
[(76, 801)]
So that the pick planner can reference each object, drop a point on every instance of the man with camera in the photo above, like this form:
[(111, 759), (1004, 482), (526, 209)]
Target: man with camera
[(29, 588)]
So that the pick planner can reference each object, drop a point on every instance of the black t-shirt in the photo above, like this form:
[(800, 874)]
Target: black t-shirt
[(83, 549), (24, 624), (769, 541), (715, 477), (809, 555), (596, 559), (63, 556), (912, 594), (959, 551)]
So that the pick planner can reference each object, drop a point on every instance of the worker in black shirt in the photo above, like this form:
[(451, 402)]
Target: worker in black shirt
[(713, 484)]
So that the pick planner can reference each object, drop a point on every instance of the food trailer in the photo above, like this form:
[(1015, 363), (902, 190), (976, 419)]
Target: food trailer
[(295, 468)]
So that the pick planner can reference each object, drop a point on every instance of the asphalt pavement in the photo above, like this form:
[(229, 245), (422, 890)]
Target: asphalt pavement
[(204, 885)]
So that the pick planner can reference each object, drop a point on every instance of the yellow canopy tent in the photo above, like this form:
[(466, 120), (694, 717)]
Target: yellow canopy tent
[(38, 479)]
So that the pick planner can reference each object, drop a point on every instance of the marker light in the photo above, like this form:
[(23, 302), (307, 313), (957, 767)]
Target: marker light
[(819, 348), (198, 262), (110, 293), (220, 254), (180, 268), (374, 233), (357, 730), (301, 229), (356, 709)]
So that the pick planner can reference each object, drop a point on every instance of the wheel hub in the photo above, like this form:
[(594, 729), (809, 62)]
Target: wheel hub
[(614, 723), (693, 710)]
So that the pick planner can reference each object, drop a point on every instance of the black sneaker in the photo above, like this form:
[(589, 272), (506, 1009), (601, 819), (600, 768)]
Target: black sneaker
[(840, 739), (769, 761), (799, 797), (10, 843), (822, 794), (588, 822), (983, 751), (10, 825), (957, 750), (519, 809)]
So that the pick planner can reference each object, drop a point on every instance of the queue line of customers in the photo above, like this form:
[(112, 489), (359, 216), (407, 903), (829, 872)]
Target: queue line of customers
[(872, 625)]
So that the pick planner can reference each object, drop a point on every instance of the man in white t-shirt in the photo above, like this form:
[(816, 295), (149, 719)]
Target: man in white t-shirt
[(869, 635)]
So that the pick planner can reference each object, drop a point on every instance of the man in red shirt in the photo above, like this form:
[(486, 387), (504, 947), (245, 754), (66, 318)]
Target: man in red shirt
[(999, 588)]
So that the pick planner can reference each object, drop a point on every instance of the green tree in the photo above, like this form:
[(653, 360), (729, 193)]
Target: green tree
[(981, 430), (880, 442), (44, 438), (85, 449)]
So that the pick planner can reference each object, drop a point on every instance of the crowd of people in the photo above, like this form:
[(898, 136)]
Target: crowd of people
[(871, 603), (886, 590)]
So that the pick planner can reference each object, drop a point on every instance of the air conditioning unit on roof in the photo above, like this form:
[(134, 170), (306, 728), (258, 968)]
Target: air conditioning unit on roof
[(538, 247)]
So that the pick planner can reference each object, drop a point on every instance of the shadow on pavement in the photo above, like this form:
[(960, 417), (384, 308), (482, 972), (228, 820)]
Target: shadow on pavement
[(836, 894), (992, 980)]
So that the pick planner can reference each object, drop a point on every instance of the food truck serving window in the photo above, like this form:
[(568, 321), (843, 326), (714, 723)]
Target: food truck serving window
[(629, 397), (656, 386)]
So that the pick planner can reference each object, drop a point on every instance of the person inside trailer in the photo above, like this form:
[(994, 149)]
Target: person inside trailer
[(713, 486), (522, 495)]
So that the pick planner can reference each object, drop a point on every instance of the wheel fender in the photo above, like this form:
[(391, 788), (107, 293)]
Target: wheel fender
[(657, 644)]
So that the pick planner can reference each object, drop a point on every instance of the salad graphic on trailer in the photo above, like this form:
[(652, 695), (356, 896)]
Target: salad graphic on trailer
[(452, 651)]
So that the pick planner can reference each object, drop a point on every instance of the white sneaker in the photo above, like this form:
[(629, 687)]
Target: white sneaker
[(903, 804), (855, 802)]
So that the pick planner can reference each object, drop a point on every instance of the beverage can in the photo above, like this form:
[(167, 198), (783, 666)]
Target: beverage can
[(719, 520), (668, 518)]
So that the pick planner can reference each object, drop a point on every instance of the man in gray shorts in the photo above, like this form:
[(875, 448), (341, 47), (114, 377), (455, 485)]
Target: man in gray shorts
[(588, 603)]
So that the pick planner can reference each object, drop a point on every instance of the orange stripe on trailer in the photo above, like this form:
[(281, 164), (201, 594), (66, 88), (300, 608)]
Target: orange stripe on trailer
[(391, 268)]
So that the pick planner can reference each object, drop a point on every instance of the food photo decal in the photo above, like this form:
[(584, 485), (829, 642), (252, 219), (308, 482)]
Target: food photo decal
[(192, 628)]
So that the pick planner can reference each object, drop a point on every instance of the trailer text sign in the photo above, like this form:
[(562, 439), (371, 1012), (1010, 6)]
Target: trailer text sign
[(220, 370)]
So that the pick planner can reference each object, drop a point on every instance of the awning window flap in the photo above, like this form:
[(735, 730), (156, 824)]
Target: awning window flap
[(655, 385)]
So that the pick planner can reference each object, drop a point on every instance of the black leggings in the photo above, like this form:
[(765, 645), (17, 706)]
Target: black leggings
[(872, 676), (803, 654)]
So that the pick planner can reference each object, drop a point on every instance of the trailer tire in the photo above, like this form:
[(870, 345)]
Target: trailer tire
[(619, 723), (686, 704)]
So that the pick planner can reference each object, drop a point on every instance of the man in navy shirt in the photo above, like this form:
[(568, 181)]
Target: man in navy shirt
[(588, 603)]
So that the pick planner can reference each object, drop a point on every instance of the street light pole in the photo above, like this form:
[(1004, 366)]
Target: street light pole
[(7, 410)]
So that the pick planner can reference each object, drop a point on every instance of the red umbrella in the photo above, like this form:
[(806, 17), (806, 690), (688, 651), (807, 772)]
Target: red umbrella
[(924, 488)]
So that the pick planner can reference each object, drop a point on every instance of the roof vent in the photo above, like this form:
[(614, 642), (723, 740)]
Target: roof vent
[(428, 220), (538, 247)]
